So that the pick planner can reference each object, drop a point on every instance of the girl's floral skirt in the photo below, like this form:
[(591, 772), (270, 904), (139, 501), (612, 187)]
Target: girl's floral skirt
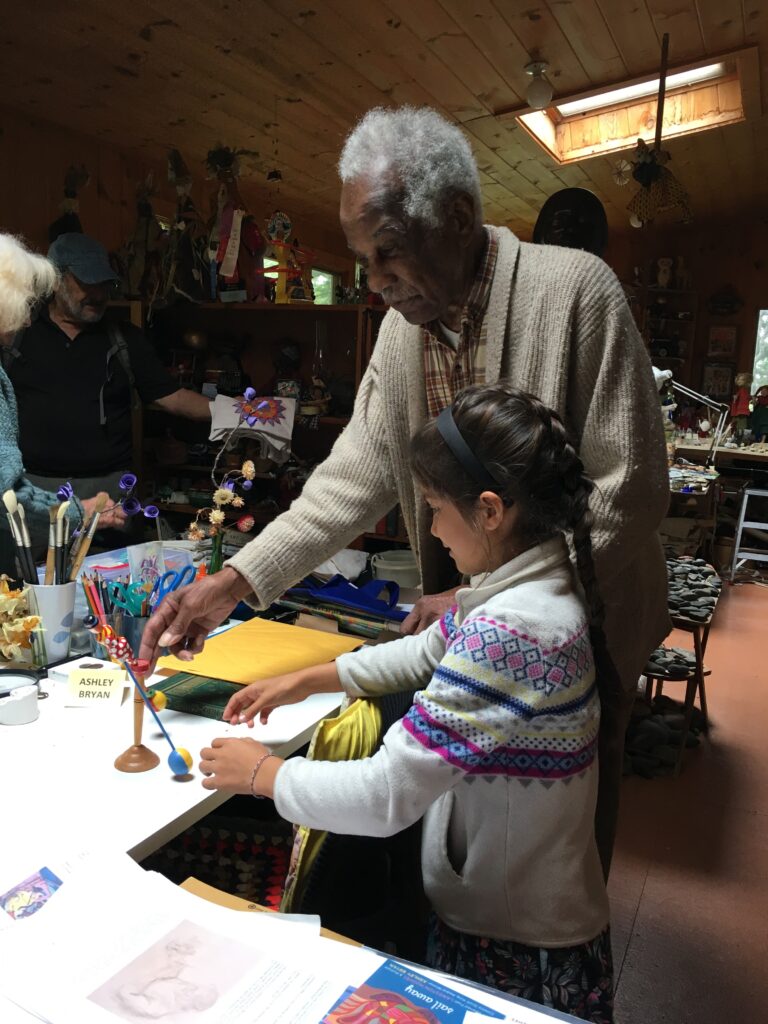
[(575, 979)]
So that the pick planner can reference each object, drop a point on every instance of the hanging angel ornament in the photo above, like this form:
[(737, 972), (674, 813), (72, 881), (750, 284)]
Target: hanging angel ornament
[(659, 191)]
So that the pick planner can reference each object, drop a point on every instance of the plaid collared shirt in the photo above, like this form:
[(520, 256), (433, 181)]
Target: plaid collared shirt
[(447, 371)]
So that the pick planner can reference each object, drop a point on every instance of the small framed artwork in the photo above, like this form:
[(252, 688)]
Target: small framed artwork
[(717, 381), (721, 341)]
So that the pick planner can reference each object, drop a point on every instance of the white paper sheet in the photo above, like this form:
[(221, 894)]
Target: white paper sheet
[(116, 941)]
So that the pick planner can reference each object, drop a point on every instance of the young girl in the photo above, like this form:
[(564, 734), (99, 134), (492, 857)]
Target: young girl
[(499, 750)]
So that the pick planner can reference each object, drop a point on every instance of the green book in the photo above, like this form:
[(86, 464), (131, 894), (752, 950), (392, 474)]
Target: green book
[(197, 695)]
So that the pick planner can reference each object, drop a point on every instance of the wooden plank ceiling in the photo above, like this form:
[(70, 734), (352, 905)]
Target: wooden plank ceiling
[(288, 80)]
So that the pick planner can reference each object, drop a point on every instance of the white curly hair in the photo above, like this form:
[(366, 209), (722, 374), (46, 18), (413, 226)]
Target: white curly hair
[(25, 278), (430, 157)]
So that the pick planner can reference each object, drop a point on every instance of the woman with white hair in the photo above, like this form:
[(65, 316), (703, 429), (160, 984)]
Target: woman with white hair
[(25, 279)]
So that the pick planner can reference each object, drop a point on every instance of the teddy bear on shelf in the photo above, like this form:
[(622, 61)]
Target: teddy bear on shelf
[(664, 272)]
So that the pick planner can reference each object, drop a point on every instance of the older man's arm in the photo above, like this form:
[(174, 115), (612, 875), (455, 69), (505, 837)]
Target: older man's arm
[(345, 495), (613, 405)]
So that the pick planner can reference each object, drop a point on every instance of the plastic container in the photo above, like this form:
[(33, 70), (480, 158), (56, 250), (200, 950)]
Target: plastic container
[(398, 565)]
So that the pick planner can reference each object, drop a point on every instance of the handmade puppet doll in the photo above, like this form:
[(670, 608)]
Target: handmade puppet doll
[(740, 403), (236, 245)]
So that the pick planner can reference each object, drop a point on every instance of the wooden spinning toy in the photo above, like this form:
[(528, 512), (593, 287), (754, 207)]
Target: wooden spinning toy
[(138, 758)]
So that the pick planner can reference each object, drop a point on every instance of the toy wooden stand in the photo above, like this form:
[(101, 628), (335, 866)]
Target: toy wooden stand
[(137, 758)]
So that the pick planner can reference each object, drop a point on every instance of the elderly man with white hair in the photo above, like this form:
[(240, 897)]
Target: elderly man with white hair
[(25, 279), (470, 303)]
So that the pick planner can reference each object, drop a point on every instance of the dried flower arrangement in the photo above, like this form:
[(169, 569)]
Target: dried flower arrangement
[(16, 624), (210, 521)]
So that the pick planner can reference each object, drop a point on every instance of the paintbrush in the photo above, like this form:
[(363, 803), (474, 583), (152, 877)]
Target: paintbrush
[(12, 508), (25, 539), (51, 556), (87, 536), (59, 558)]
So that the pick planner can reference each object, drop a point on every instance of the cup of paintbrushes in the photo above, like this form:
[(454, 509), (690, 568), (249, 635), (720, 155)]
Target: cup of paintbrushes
[(55, 605)]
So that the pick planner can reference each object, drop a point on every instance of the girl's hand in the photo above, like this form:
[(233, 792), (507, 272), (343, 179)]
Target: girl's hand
[(264, 696), (229, 763)]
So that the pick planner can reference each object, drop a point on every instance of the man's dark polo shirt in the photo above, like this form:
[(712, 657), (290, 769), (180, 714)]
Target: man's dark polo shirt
[(58, 383)]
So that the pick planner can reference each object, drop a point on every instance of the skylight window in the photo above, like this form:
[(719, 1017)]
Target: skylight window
[(640, 89), (724, 91)]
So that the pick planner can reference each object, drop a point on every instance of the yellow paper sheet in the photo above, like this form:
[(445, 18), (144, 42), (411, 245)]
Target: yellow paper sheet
[(260, 648)]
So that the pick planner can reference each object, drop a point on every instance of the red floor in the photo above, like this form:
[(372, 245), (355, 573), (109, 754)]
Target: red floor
[(689, 883)]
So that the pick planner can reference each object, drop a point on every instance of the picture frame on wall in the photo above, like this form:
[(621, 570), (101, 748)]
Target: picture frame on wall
[(717, 381), (722, 340)]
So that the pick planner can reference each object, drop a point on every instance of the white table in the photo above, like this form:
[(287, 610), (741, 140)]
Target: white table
[(60, 789)]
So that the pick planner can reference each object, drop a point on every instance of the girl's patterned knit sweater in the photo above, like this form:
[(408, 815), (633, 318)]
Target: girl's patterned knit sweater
[(498, 753)]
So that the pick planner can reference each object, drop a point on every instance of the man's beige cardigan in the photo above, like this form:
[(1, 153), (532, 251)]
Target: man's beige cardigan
[(558, 327)]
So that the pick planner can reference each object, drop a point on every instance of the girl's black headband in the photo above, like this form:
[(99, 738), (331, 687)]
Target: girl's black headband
[(451, 434)]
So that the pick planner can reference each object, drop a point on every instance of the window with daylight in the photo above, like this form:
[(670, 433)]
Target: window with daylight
[(324, 285), (710, 93), (760, 367)]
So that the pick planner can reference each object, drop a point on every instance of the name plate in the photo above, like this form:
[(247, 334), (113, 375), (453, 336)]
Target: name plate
[(95, 687)]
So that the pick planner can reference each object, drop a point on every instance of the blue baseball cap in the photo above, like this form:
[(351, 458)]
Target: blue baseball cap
[(83, 256)]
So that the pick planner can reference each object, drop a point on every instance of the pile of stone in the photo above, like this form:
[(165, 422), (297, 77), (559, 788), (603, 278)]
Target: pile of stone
[(654, 736), (694, 588)]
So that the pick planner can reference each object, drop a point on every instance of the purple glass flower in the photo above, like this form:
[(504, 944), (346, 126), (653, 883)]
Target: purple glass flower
[(65, 492), (127, 482), (246, 484), (151, 511), (131, 506), (249, 394), (229, 484)]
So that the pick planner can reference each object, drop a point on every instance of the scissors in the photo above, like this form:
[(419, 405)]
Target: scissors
[(171, 581), (129, 596)]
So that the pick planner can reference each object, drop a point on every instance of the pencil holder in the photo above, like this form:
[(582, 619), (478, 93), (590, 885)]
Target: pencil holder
[(132, 628), (56, 607)]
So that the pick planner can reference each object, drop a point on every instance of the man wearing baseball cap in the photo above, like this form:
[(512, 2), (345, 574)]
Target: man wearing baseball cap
[(74, 377)]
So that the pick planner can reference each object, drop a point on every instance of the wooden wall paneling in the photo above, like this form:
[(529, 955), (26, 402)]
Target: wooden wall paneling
[(633, 33), (260, 50), (395, 39), (344, 40), (722, 25), (584, 26), (193, 100), (438, 31), (613, 197), (495, 39), (504, 196), (185, 65), (542, 37), (680, 18), (265, 41), (105, 182)]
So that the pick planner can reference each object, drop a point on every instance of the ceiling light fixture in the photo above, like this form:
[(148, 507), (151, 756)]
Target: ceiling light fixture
[(539, 94), (639, 89)]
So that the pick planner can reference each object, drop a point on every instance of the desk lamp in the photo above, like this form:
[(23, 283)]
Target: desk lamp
[(664, 377)]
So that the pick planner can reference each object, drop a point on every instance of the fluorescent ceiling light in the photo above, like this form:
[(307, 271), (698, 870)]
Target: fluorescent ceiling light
[(632, 92)]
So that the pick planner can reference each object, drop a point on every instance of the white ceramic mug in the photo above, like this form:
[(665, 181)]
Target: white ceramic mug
[(56, 607)]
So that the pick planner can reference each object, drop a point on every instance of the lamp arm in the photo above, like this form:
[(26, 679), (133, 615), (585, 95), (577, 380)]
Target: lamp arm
[(710, 403)]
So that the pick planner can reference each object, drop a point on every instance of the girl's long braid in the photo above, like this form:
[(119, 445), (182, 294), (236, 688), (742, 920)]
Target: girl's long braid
[(579, 488)]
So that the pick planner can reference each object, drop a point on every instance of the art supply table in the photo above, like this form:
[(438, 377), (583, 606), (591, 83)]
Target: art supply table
[(699, 452), (60, 780)]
